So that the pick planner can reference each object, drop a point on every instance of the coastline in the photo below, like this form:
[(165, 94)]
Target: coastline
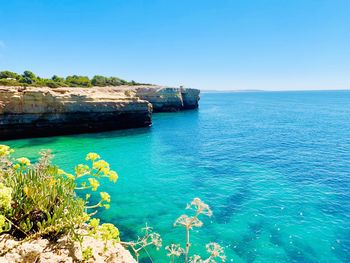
[(43, 111)]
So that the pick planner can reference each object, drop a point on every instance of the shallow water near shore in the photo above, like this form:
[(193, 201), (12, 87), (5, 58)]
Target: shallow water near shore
[(274, 167)]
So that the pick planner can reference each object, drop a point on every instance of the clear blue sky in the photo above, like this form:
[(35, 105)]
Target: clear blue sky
[(207, 44)]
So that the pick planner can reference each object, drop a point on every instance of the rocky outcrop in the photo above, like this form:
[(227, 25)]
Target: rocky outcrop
[(168, 99), (43, 251), (34, 111), (31, 112)]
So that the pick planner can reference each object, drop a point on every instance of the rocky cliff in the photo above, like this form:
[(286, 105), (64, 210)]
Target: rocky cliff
[(32, 111), (168, 99)]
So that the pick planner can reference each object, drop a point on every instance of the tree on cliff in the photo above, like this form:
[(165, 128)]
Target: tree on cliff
[(102, 81), (78, 81), (28, 78), (8, 75)]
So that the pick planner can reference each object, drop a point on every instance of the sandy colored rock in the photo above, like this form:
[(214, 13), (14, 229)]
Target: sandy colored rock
[(167, 98), (32, 112), (43, 111), (43, 251)]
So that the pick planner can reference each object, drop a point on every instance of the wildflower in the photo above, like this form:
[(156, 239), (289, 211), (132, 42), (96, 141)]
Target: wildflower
[(94, 184), (105, 197), (23, 161), (94, 222), (216, 251), (87, 196), (200, 207), (85, 217), (5, 196), (81, 170), (188, 222), (113, 176), (156, 240), (101, 165), (107, 206), (109, 231), (16, 166), (26, 190), (52, 181), (5, 150), (87, 253), (174, 250), (92, 156)]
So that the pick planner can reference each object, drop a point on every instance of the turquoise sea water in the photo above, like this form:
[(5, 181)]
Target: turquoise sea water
[(274, 167)]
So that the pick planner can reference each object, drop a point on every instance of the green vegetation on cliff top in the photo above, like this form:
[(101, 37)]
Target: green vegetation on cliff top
[(28, 78)]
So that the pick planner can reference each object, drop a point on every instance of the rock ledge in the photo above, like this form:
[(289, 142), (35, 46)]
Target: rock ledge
[(62, 251)]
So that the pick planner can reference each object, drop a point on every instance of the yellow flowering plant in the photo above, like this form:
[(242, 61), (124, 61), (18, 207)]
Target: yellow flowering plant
[(41, 200)]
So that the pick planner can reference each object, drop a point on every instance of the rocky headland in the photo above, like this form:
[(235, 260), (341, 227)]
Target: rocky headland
[(43, 111)]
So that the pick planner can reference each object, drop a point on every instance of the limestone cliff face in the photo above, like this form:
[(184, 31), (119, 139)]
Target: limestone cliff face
[(167, 98), (32, 111)]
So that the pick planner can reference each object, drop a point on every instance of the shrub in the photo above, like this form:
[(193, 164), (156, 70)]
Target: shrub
[(9, 82), (78, 81), (28, 78), (8, 74), (40, 200)]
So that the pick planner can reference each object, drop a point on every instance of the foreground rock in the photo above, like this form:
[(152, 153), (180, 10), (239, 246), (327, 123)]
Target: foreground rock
[(36, 112), (43, 251)]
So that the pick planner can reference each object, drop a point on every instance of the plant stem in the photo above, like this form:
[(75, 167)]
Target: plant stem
[(187, 244)]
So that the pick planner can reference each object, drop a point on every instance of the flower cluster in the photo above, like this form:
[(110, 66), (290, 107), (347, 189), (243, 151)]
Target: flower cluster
[(200, 207), (23, 161), (104, 232), (189, 222), (40, 199), (174, 250), (216, 252), (5, 197), (5, 150)]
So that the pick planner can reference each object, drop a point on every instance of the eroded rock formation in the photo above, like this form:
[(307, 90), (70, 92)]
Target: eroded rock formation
[(169, 99), (34, 111)]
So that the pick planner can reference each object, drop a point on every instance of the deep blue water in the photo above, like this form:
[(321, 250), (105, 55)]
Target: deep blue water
[(274, 167)]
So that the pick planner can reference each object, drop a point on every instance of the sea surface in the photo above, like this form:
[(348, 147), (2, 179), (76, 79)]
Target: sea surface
[(273, 166)]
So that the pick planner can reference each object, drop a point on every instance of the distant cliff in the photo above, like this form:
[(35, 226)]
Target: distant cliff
[(42, 111), (168, 99)]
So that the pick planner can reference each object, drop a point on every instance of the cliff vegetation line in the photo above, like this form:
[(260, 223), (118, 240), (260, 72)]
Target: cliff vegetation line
[(28, 78)]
